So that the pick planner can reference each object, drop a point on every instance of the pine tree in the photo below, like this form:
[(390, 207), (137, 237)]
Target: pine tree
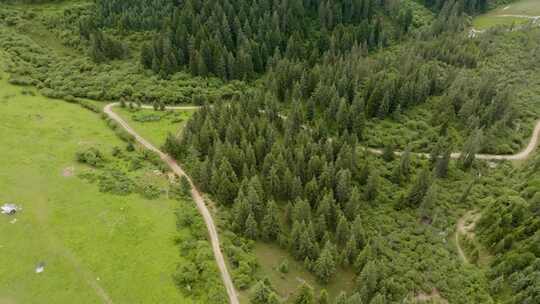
[(325, 266), (356, 299), (368, 281), (428, 203), (419, 189), (251, 230), (354, 203), (225, 182), (270, 224), (378, 299), (273, 298), (343, 186), (261, 293), (185, 186), (342, 298), (388, 153), (472, 146), (323, 297), (441, 166), (357, 231), (405, 162), (351, 250), (342, 230), (302, 211), (372, 187), (358, 112), (305, 295)]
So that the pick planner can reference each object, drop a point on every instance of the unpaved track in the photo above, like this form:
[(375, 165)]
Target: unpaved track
[(197, 197), (524, 154), (465, 226)]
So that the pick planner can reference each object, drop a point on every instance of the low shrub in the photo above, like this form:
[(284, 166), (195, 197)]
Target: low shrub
[(91, 156)]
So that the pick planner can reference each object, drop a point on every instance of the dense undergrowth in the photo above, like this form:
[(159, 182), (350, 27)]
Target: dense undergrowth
[(42, 58), (510, 230)]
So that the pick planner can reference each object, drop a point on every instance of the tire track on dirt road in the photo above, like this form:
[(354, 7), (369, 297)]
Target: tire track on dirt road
[(195, 194)]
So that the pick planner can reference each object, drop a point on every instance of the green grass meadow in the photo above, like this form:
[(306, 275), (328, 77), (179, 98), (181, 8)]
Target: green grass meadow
[(271, 256), (88, 240), (158, 124), (499, 16)]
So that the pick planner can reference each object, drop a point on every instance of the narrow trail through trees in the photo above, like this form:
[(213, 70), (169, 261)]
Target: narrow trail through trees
[(465, 227), (195, 194), (524, 154)]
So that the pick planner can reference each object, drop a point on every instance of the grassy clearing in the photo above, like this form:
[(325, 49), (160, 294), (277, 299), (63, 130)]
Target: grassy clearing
[(89, 240), (155, 125), (271, 256), (502, 14)]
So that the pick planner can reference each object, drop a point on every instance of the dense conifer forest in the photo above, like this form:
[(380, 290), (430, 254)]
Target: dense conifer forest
[(295, 97)]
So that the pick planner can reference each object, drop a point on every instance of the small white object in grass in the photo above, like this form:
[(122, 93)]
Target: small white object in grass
[(13, 221), (40, 268), (10, 209), (507, 7), (97, 279)]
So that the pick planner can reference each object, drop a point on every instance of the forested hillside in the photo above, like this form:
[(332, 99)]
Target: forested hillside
[(236, 39), (326, 132), (510, 229)]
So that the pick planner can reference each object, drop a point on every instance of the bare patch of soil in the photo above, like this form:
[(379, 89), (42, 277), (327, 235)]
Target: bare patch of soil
[(434, 296), (68, 171)]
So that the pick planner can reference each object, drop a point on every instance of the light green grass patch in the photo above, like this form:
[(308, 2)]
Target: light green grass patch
[(286, 284), (485, 21), (155, 125), (508, 14), (89, 241)]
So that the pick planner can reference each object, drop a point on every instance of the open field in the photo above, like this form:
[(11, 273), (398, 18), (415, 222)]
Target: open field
[(518, 12), (97, 247)]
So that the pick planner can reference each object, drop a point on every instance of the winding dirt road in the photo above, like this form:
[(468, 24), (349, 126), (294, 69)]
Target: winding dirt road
[(524, 154), (195, 194)]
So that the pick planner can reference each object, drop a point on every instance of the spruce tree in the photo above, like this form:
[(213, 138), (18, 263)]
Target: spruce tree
[(185, 186), (251, 230), (323, 297), (270, 224), (305, 295), (472, 146), (441, 166), (325, 266), (342, 230), (372, 187), (419, 189), (368, 281), (260, 293)]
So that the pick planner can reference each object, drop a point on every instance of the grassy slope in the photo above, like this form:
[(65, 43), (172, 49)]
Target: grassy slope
[(496, 16), (79, 232)]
